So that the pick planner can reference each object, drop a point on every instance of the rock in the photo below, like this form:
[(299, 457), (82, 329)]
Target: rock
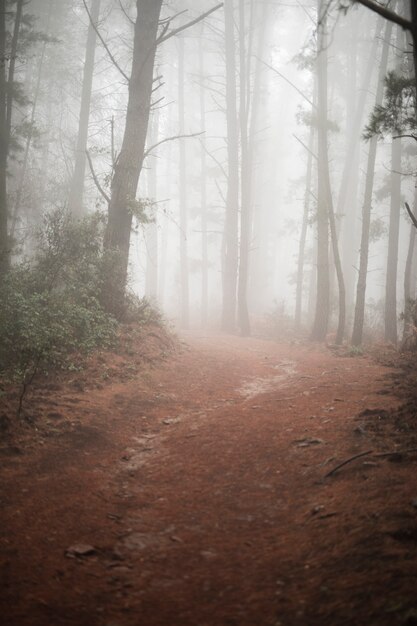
[(307, 441), (171, 420), (79, 550)]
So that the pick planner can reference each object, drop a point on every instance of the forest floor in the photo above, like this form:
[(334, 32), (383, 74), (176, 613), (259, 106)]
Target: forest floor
[(192, 491)]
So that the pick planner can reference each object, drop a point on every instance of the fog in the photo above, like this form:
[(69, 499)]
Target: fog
[(208, 312), (256, 128)]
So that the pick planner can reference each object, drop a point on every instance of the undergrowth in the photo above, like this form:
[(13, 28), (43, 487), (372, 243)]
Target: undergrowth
[(51, 311)]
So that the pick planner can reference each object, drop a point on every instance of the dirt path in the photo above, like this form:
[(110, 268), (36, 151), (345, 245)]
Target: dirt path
[(200, 485)]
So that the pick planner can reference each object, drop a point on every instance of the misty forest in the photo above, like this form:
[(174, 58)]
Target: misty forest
[(208, 312)]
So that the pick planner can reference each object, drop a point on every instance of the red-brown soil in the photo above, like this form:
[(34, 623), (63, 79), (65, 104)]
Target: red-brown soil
[(200, 483)]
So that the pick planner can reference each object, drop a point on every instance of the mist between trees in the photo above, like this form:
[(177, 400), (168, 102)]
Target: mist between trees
[(248, 158)]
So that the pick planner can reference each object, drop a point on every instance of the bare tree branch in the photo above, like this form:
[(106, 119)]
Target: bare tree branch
[(153, 104), (126, 13), (220, 192), (217, 162), (405, 136), (173, 17), (411, 214), (165, 36), (113, 60), (288, 81), (163, 32), (159, 143), (96, 180), (387, 13), (158, 86), (306, 147)]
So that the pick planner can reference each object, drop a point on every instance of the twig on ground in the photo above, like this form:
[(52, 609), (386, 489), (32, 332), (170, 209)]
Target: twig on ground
[(352, 458), (381, 455), (378, 455)]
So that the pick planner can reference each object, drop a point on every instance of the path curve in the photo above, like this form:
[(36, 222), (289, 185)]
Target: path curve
[(199, 487)]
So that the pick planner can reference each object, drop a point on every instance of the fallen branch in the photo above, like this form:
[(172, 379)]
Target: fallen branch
[(352, 458), (381, 455), (378, 455)]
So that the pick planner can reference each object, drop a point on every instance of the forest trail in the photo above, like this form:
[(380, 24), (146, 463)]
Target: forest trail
[(195, 495)]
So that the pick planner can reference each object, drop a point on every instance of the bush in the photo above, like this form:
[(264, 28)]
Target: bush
[(140, 310), (409, 317), (51, 307)]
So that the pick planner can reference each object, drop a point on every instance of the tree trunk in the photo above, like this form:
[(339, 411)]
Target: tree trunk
[(394, 230), (203, 183), (151, 232), (321, 318), (129, 164), (12, 65), (413, 10), (393, 244), (338, 265), (408, 272), (184, 290), (258, 270), (22, 177), (347, 199), (4, 240), (75, 202), (367, 202), (304, 226), (230, 236), (245, 217)]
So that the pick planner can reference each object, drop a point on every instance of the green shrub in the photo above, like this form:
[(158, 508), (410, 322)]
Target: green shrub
[(50, 307), (140, 310), (409, 317)]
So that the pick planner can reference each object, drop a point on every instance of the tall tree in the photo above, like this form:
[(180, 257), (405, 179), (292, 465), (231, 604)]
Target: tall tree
[(75, 202), (4, 240), (367, 201), (151, 231), (304, 224), (409, 24), (31, 127), (336, 257), (321, 317), (348, 192), (129, 163), (245, 175), (203, 185), (123, 204), (408, 273), (8, 57), (184, 287), (230, 236), (394, 226)]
